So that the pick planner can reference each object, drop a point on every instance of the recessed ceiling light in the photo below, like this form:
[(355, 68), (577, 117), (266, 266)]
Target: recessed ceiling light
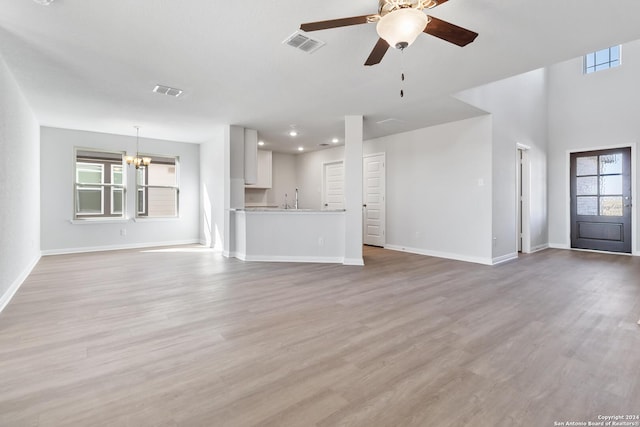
[(335, 140), (44, 2), (261, 143), (293, 133), (300, 148)]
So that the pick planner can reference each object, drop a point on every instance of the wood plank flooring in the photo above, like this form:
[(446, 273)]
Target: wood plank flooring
[(183, 337)]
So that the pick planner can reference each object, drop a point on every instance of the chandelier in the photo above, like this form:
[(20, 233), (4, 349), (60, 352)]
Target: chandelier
[(138, 161)]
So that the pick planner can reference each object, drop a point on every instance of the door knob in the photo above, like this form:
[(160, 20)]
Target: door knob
[(364, 206)]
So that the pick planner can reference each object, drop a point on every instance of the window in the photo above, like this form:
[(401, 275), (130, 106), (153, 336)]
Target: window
[(99, 185), (157, 188), (602, 59)]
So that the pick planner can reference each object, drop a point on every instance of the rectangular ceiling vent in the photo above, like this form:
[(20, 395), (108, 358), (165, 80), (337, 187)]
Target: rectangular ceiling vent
[(303, 42), (166, 90)]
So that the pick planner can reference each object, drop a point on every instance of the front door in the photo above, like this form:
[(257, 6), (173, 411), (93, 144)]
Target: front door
[(601, 200)]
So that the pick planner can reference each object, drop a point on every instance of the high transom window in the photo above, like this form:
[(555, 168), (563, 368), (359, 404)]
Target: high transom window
[(602, 59)]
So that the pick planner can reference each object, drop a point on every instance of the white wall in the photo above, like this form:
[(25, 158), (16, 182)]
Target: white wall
[(214, 179), (435, 204), (283, 179), (19, 187), (309, 175), (518, 107), (438, 189), (59, 235), (588, 112)]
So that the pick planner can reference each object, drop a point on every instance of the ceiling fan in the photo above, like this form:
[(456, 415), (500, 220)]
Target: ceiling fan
[(399, 22)]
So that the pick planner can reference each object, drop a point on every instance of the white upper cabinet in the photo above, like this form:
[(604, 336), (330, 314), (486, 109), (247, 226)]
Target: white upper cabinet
[(264, 170)]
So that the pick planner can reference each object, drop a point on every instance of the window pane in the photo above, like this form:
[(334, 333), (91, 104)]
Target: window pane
[(587, 186), (163, 202), (116, 201), (602, 67), (615, 63), (590, 60), (89, 173), (602, 56), (89, 201), (116, 172), (615, 53), (611, 206), (611, 163), (162, 175), (587, 165), (140, 176), (611, 184), (142, 206), (587, 206)]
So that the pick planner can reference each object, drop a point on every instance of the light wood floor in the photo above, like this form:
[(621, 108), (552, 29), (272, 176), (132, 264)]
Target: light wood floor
[(183, 337)]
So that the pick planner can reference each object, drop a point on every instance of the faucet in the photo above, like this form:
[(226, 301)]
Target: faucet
[(295, 206)]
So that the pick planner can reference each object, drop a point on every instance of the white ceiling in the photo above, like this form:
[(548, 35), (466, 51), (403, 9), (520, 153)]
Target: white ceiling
[(91, 65)]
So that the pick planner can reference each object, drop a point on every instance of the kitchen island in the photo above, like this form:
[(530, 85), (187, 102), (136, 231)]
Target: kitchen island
[(289, 235)]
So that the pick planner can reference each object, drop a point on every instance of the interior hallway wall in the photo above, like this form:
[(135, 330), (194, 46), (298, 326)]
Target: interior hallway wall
[(19, 187), (518, 107)]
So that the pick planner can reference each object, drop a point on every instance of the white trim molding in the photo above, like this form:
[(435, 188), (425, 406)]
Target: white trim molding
[(437, 254), (539, 248), (504, 258), (66, 251), (353, 261), (6, 298)]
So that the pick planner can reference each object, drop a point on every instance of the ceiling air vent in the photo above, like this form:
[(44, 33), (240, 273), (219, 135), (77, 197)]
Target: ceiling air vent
[(303, 42), (166, 90)]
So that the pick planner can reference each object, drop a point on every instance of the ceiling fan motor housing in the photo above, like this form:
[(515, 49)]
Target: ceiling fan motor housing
[(388, 6)]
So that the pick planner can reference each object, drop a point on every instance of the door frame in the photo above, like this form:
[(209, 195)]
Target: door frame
[(634, 191), (323, 196), (384, 222), (525, 182)]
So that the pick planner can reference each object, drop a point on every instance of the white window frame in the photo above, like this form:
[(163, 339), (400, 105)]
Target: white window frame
[(92, 217), (593, 69), (143, 214)]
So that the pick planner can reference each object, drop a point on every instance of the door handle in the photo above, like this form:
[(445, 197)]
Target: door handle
[(364, 206)]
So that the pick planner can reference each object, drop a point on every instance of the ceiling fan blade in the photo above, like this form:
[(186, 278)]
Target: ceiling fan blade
[(334, 23), (377, 53), (449, 32)]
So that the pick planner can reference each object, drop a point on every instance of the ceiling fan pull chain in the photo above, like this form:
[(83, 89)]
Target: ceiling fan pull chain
[(402, 73)]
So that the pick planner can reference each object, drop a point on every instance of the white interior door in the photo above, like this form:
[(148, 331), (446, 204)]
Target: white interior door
[(333, 185), (374, 199)]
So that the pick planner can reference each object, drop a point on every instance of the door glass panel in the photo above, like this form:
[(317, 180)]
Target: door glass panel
[(587, 165), (610, 184), (611, 206), (587, 186), (611, 163), (587, 206)]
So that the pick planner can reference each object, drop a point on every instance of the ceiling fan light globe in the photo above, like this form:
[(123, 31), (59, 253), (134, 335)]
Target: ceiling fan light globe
[(401, 27)]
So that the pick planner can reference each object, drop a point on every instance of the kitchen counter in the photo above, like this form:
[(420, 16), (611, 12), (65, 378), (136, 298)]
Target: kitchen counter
[(289, 235)]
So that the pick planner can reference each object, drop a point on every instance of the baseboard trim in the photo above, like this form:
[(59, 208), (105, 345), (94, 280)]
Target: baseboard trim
[(6, 298), (445, 255), (504, 258), (50, 252), (272, 258), (559, 246), (353, 261), (539, 248)]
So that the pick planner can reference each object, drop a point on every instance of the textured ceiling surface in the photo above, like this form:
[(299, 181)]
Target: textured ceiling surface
[(92, 65)]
